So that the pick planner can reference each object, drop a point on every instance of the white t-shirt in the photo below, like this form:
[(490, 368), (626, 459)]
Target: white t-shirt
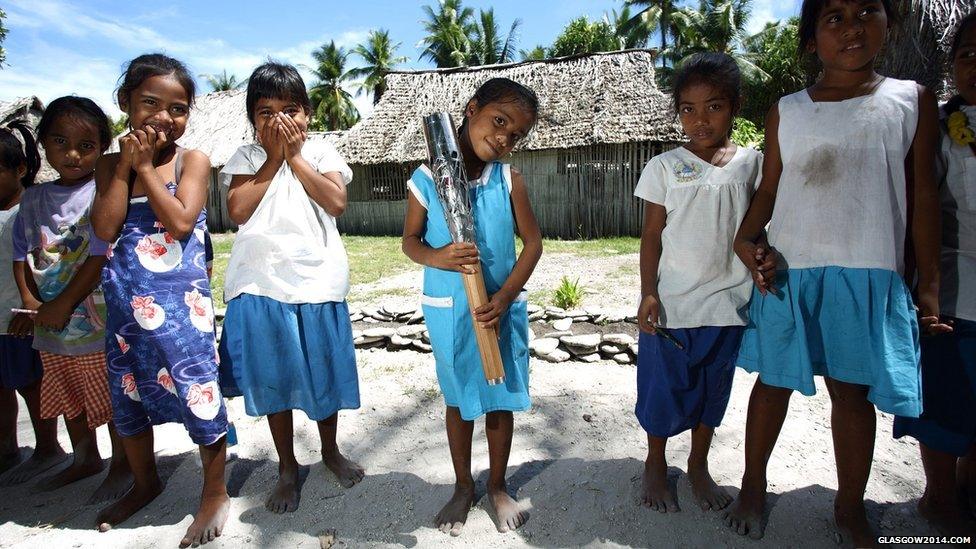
[(701, 282), (957, 192), (9, 294), (841, 199), (289, 250)]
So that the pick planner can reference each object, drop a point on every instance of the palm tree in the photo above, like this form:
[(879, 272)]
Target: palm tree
[(332, 106), (223, 81), (717, 26), (537, 53), (449, 31), (656, 14), (631, 32), (379, 54), (487, 47)]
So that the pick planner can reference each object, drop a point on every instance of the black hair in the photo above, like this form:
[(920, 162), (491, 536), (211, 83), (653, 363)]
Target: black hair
[(503, 90), (810, 13), (956, 102), (149, 65), (79, 108), (15, 153), (274, 80), (715, 69)]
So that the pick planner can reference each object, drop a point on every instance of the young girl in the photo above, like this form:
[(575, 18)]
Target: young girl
[(691, 283), (946, 431), (500, 114), (161, 348), (57, 265), (20, 364), (287, 341), (835, 169)]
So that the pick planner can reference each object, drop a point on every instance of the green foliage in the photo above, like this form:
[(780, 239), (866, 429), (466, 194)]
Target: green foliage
[(332, 106), (583, 36), (746, 134), (569, 294), (379, 54), (3, 36), (449, 31), (535, 54), (488, 47), (774, 50), (657, 14), (119, 125), (223, 81)]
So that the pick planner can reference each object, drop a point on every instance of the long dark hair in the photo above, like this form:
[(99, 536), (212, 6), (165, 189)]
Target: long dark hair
[(15, 153)]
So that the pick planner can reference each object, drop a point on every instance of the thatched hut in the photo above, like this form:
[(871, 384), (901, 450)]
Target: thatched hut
[(218, 125), (29, 109), (601, 119)]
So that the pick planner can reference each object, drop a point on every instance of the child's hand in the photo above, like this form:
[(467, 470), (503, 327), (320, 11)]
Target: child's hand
[(144, 147), (461, 257), (648, 314), (489, 314), (21, 325), (272, 141), (928, 315), (293, 133), (53, 315), (761, 261), (128, 145)]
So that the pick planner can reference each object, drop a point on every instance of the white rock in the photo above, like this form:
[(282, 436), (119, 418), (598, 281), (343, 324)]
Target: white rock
[(381, 332), (610, 349), (582, 344), (562, 324), (356, 334), (401, 308), (531, 334), (590, 359), (633, 349), (417, 317), (578, 315), (558, 334), (593, 311), (623, 358), (399, 342), (411, 331), (558, 355), (538, 315), (366, 342), (370, 320), (425, 337), (555, 312), (421, 346), (621, 340), (355, 317), (544, 345), (533, 308)]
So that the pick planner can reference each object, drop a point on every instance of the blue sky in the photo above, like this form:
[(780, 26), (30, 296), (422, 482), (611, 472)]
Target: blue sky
[(59, 47)]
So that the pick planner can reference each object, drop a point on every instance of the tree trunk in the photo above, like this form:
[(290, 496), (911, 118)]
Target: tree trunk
[(918, 47)]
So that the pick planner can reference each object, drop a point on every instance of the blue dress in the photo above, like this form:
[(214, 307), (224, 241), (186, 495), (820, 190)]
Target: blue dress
[(160, 344), (445, 304)]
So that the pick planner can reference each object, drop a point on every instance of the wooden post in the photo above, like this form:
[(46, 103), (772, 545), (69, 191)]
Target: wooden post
[(491, 356)]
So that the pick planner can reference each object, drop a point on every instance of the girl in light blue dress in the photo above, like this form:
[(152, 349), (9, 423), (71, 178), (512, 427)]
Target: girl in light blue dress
[(499, 115)]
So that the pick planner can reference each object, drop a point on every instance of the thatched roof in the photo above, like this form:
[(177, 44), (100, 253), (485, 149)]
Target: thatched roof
[(584, 100), (218, 125)]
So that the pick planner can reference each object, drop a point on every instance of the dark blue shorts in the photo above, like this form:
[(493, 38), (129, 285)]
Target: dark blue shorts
[(679, 389), (20, 364), (948, 421)]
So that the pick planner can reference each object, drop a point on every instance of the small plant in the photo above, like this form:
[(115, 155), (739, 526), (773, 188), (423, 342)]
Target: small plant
[(746, 134), (569, 294)]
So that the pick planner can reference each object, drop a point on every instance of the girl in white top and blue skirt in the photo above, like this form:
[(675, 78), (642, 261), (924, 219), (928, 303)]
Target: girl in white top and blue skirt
[(946, 431), (835, 193), (287, 340)]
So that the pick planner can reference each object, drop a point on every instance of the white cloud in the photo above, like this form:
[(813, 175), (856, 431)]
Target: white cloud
[(48, 69)]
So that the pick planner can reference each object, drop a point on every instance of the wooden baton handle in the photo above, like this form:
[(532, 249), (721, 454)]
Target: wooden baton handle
[(487, 338)]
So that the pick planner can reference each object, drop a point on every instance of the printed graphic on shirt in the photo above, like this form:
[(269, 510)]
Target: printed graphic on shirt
[(201, 310), (164, 379), (204, 399), (148, 314), (159, 252), (686, 171), (129, 387)]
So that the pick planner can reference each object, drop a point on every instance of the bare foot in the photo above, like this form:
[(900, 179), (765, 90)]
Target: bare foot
[(710, 496), (454, 514), (948, 517), (347, 472), (35, 465), (745, 516), (209, 521), (11, 460), (73, 473), (852, 525), (655, 492), (116, 484), (506, 509), (285, 496), (126, 506)]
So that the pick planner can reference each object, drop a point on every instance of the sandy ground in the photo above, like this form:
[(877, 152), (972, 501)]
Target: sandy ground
[(578, 479)]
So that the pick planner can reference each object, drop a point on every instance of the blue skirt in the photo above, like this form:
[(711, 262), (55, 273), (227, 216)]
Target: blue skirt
[(20, 364), (948, 422), (285, 356), (853, 325)]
